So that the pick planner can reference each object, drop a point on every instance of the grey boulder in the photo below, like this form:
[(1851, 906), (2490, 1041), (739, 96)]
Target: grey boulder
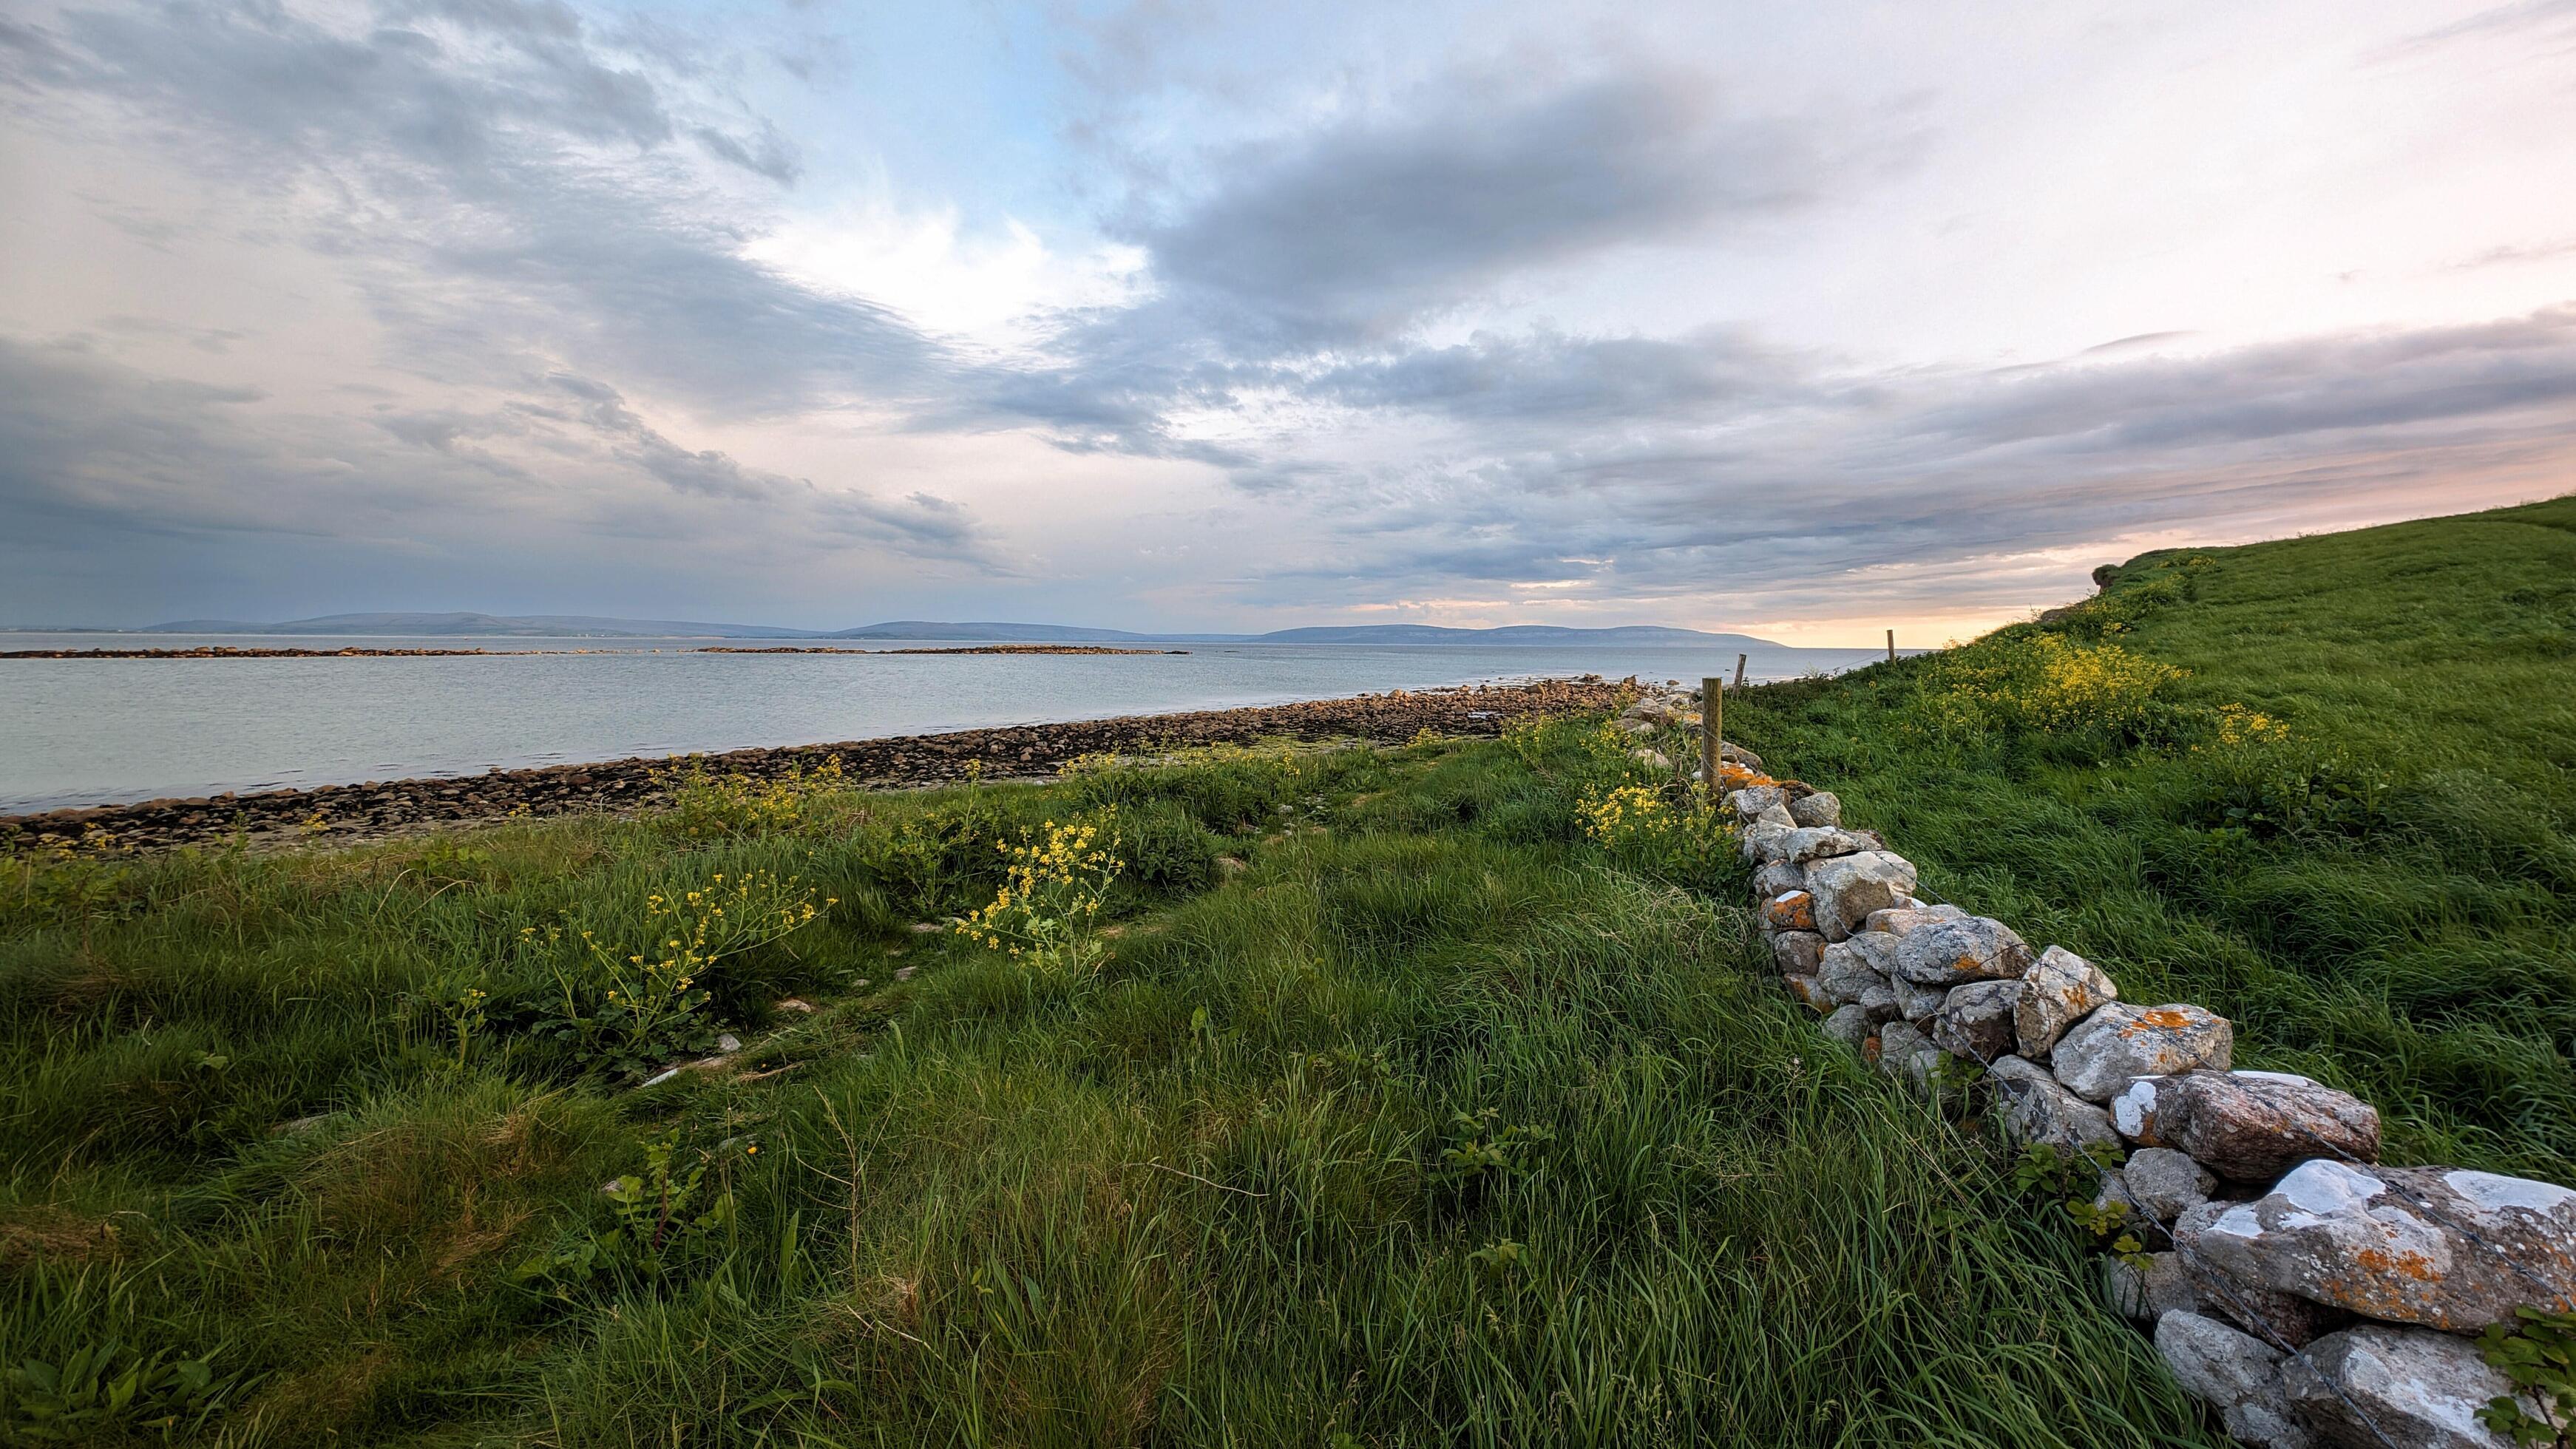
[(1776, 877), (2164, 1184), (1976, 1020), (1906, 917), (1917, 1003), (1849, 887), (1946, 953), (1797, 953), (1851, 1025), (1821, 808), (2446, 1248), (2118, 1044), (2059, 990), (2373, 1387), (2036, 1109), (1750, 802), (2247, 1126), (2235, 1373)]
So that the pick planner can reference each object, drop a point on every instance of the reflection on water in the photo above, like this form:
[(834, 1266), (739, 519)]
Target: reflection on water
[(100, 731)]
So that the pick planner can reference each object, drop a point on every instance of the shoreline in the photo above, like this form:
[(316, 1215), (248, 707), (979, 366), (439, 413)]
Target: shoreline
[(380, 808)]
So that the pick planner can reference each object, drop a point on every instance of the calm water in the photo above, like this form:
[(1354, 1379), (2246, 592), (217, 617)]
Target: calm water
[(100, 731)]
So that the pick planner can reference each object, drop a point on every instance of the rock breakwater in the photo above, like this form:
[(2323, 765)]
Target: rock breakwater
[(390, 807)]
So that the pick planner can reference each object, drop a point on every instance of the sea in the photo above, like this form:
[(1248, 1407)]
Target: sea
[(77, 732)]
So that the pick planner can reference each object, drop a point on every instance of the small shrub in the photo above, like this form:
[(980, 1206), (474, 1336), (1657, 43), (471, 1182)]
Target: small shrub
[(630, 1010), (706, 806), (1050, 905)]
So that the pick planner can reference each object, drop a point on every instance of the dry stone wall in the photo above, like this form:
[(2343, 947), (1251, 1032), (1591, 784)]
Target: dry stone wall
[(2309, 1294)]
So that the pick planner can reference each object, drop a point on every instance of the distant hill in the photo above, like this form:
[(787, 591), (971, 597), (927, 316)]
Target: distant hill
[(485, 625), (462, 625), (1021, 633)]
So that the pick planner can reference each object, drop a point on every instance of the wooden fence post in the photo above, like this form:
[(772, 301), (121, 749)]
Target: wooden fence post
[(1739, 671), (1712, 717), (1891, 646)]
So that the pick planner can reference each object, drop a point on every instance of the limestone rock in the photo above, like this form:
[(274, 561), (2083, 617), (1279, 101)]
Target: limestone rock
[(2059, 990), (1903, 918), (2445, 1248), (1808, 993), (1749, 802), (1776, 878), (1851, 1025), (1848, 888), (1817, 843), (1651, 759), (2037, 1109), (2234, 1373), (1821, 808), (2118, 1044), (1897, 1043), (2114, 1190), (2149, 1293), (1976, 1021), (1790, 911), (2247, 1126), (1846, 976), (1917, 1003), (1797, 953), (2372, 1387), (2163, 1183), (1945, 953), (1731, 753)]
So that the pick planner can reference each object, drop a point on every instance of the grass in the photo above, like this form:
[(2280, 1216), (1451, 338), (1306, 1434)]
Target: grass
[(1398, 1112), (1431, 1095), (2382, 895)]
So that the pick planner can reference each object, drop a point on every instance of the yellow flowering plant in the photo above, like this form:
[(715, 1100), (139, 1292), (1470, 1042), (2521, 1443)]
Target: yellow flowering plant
[(1671, 832), (705, 805), (1057, 879), (631, 1009)]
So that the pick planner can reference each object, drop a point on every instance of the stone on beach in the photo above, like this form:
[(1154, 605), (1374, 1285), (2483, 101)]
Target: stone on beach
[(2060, 989), (1946, 953), (2101, 1055)]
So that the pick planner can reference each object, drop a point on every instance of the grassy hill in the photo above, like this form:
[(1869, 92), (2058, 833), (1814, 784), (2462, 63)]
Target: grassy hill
[(1366, 1097), (2370, 863)]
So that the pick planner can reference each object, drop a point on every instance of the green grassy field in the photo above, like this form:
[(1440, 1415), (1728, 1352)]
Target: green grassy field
[(2383, 895), (1412, 1096)]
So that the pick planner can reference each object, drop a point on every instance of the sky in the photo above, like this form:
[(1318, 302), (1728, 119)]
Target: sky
[(1807, 321)]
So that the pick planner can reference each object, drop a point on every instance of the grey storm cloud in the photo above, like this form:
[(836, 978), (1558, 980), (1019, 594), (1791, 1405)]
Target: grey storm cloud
[(453, 134), (522, 203), (1354, 232)]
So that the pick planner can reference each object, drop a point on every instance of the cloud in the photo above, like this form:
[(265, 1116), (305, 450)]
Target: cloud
[(1355, 231)]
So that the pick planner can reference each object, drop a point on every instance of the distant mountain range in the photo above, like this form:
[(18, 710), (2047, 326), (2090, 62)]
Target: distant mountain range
[(589, 626)]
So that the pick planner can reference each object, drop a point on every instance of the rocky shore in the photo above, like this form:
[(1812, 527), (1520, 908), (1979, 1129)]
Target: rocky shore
[(391, 807)]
